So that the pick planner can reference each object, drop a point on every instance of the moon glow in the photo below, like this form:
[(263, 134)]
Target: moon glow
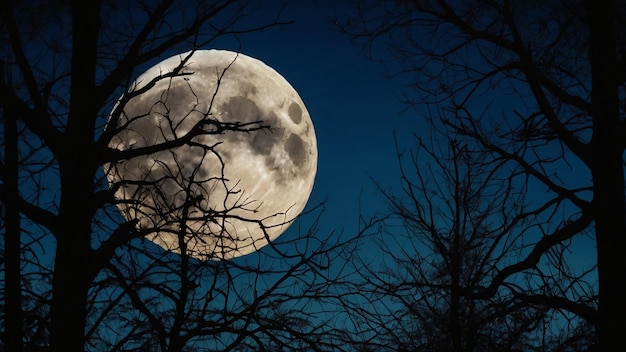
[(221, 193)]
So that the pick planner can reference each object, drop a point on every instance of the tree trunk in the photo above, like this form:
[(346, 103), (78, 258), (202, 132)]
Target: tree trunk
[(13, 279), (69, 296), (455, 291), (608, 176), (72, 271)]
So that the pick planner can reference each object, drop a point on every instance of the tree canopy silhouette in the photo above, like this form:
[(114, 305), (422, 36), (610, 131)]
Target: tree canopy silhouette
[(538, 87), (77, 275)]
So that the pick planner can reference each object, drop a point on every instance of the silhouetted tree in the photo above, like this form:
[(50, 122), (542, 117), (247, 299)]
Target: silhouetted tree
[(89, 280), (155, 300), (538, 86), (457, 221)]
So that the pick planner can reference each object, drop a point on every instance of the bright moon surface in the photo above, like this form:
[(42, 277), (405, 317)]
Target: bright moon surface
[(220, 195)]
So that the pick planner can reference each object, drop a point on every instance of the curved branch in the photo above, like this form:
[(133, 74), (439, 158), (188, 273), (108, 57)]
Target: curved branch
[(204, 127), (557, 302), (536, 81), (542, 246), (528, 168), (35, 213)]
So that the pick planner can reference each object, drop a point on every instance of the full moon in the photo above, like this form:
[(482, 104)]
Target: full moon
[(220, 154)]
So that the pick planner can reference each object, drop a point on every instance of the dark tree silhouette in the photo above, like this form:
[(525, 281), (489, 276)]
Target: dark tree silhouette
[(538, 86), (455, 222), (86, 277)]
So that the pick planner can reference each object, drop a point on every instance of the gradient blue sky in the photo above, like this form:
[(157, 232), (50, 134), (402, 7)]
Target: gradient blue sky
[(355, 107)]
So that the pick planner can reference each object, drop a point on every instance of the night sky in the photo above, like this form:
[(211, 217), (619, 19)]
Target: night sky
[(354, 104)]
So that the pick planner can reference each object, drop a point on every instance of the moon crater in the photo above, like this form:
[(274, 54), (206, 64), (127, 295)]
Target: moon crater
[(296, 149), (295, 112)]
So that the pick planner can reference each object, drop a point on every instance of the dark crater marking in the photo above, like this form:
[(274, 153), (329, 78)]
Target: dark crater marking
[(295, 112), (264, 140), (296, 150), (241, 109)]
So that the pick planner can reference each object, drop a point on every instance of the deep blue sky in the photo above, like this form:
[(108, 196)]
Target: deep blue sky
[(354, 106)]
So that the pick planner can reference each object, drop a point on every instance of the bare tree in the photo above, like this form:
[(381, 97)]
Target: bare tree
[(538, 85), (154, 300), (457, 220), (88, 278)]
